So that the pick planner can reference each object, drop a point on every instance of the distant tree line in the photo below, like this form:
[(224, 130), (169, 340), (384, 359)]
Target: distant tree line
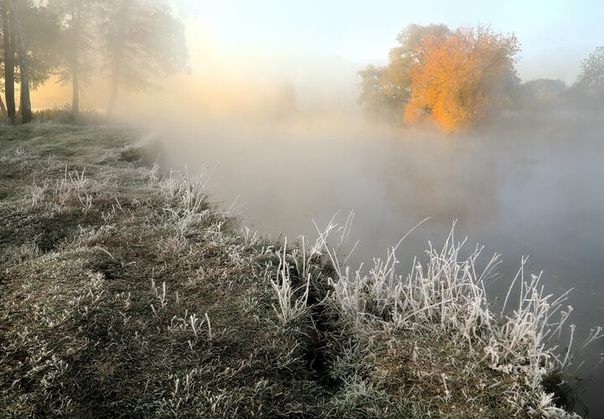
[(131, 43), (457, 78), (589, 87)]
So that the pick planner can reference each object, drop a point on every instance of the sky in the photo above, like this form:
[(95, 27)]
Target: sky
[(242, 51), (555, 35)]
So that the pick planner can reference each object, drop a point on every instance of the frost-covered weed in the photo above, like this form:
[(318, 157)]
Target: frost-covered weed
[(446, 296)]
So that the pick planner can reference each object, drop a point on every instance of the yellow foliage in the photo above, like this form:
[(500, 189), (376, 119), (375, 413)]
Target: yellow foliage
[(455, 78)]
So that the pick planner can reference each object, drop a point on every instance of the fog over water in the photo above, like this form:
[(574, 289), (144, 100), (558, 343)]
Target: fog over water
[(528, 184), (266, 107), (525, 187)]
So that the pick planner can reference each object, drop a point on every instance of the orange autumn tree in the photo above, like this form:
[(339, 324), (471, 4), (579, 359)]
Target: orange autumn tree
[(456, 80), (385, 90), (451, 77)]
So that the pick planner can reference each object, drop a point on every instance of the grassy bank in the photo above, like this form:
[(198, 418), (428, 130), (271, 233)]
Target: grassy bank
[(126, 293)]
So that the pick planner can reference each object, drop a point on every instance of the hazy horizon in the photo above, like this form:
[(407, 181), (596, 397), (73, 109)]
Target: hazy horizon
[(238, 60)]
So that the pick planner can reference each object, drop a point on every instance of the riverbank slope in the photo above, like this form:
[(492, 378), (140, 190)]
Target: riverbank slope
[(126, 292)]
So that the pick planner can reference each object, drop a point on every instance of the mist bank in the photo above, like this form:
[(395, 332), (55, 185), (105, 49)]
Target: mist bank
[(525, 185), (116, 273), (338, 161)]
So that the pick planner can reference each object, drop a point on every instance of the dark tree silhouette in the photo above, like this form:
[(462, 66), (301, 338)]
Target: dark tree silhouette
[(81, 22), (9, 63), (28, 33), (145, 41), (588, 91), (25, 104), (591, 76)]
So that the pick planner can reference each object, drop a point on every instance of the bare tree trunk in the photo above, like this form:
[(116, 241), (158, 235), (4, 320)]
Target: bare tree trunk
[(2, 107), (114, 93), (25, 105), (117, 54), (9, 66), (26, 113), (75, 102)]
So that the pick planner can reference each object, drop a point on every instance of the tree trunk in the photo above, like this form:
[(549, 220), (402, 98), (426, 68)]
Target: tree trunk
[(9, 66), (2, 107), (26, 113), (117, 54), (75, 68), (25, 105), (114, 93)]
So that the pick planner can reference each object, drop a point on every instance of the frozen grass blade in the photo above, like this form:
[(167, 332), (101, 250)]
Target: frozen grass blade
[(448, 295), (290, 306)]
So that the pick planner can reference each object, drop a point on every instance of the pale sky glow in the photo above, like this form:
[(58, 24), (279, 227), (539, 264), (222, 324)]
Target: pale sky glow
[(555, 35), (241, 51)]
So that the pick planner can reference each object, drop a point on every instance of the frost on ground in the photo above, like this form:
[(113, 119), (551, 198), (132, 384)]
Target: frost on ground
[(126, 293)]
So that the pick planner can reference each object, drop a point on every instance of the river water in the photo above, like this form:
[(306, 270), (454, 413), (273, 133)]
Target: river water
[(521, 189)]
